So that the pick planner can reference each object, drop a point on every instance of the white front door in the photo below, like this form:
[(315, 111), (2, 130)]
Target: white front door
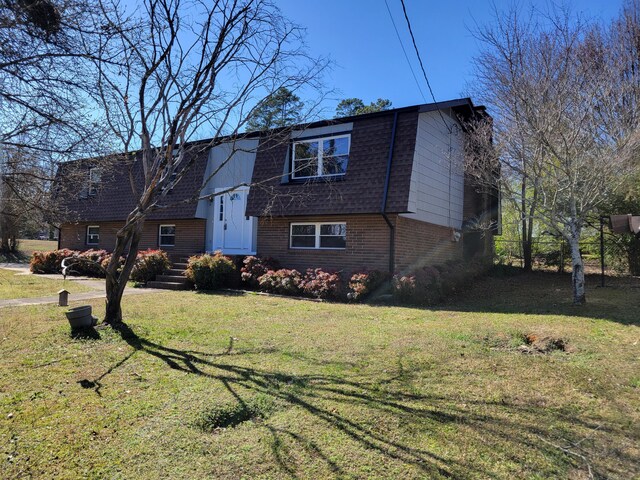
[(232, 229)]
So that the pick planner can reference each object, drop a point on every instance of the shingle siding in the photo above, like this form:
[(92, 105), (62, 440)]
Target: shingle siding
[(115, 199), (359, 191)]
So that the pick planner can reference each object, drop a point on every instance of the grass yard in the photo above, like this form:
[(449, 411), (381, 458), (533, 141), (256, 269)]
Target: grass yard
[(30, 286), (318, 390), (27, 247)]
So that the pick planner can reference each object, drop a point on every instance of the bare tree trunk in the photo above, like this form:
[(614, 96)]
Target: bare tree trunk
[(633, 255), (526, 238), (116, 281), (577, 275)]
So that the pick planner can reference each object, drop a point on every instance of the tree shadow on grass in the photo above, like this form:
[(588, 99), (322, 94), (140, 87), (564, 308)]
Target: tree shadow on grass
[(85, 333), (515, 430)]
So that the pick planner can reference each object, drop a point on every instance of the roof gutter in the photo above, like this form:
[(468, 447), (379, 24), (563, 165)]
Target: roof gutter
[(383, 208)]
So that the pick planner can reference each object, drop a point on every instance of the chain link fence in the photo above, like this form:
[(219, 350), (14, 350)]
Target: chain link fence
[(621, 254)]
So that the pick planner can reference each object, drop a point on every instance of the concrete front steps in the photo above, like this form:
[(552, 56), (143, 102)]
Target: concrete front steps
[(172, 279)]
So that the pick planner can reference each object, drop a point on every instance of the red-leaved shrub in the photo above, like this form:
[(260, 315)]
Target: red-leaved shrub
[(149, 263), (107, 259), (254, 267), (211, 272), (50, 262), (363, 284), (89, 263), (283, 282), (421, 287), (320, 284)]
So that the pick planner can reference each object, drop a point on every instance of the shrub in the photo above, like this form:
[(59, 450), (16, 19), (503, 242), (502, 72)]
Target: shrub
[(211, 272), (149, 263), (362, 284), (254, 267), (50, 262), (454, 276), (320, 284), (422, 286), (283, 281), (429, 285), (107, 259), (89, 263)]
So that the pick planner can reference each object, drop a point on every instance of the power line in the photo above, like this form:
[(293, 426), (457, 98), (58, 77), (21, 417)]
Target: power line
[(415, 46), (404, 51)]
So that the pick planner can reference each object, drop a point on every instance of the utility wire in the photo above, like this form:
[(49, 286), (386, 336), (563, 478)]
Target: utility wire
[(404, 51), (415, 46)]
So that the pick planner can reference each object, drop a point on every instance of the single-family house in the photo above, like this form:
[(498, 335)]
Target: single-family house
[(384, 190)]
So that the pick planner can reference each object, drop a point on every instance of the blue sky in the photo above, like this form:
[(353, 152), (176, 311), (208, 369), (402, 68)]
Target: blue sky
[(359, 36)]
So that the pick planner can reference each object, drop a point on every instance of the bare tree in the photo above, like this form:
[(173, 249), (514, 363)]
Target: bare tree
[(180, 70), (46, 82), (563, 131), (21, 181)]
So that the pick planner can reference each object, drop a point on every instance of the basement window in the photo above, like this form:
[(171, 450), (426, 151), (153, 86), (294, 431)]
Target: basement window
[(167, 236), (93, 235), (320, 157), (321, 236)]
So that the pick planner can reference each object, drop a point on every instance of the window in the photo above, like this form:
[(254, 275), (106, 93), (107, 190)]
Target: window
[(320, 157), (319, 235), (93, 235), (94, 180), (170, 185), (167, 235)]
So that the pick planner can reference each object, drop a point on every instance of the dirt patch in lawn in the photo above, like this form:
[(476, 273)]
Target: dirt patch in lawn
[(528, 343), (541, 344)]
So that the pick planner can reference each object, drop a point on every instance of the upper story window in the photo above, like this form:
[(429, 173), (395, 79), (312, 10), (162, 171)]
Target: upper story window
[(95, 174), (320, 157)]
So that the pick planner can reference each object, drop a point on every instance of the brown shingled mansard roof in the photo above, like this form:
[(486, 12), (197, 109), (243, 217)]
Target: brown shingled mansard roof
[(362, 189), (114, 198), (359, 191)]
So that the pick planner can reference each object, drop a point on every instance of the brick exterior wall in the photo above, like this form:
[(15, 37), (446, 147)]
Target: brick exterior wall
[(420, 243), (416, 243), (367, 244), (189, 236)]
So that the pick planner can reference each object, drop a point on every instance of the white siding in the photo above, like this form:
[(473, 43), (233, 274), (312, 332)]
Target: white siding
[(437, 177), (229, 165)]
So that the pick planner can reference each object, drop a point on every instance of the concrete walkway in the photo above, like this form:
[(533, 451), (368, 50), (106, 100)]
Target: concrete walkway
[(22, 267), (73, 298), (96, 284)]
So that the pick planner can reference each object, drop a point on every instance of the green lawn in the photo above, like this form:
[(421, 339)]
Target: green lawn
[(317, 390), (29, 286), (30, 246), (27, 247)]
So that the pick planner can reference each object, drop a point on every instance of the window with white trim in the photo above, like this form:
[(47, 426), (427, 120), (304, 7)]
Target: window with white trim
[(93, 235), (318, 235), (320, 157), (167, 236), (95, 174)]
